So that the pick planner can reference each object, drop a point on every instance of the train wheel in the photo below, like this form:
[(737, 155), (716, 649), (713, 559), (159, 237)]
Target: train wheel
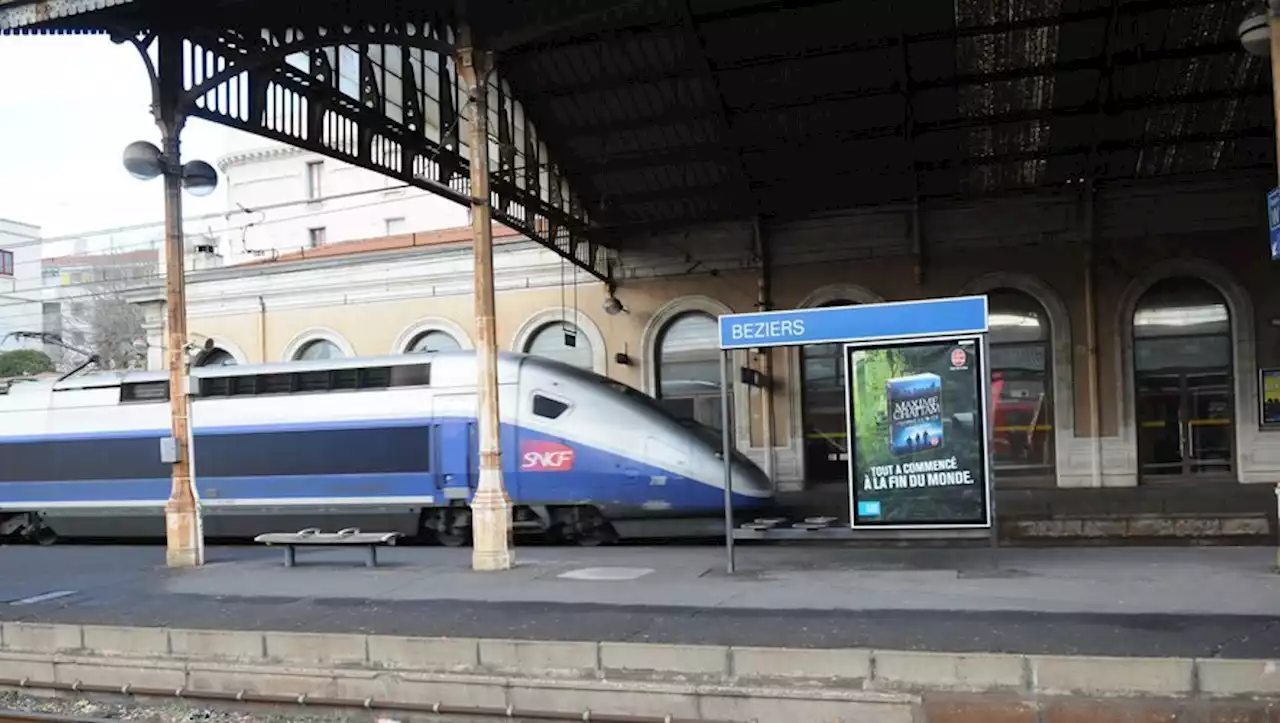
[(451, 538), (46, 537), (592, 529), (449, 527)]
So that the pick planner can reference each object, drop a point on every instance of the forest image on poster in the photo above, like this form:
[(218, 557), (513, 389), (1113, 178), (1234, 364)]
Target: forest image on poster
[(918, 455)]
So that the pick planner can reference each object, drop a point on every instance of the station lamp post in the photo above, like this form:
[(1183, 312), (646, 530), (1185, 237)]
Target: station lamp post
[(143, 160), (1260, 36)]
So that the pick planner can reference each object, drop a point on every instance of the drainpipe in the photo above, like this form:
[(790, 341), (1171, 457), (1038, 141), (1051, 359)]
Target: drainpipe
[(262, 329), (1091, 334)]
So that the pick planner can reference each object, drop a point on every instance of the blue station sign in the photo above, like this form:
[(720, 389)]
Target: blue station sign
[(1273, 221), (862, 322)]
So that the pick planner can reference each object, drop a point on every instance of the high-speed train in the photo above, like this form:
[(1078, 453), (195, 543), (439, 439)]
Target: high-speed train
[(383, 444)]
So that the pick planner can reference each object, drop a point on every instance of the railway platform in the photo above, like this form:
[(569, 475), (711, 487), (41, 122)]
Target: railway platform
[(661, 633), (1095, 601)]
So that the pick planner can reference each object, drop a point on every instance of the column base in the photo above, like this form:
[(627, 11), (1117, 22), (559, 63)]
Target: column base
[(491, 526), (184, 542)]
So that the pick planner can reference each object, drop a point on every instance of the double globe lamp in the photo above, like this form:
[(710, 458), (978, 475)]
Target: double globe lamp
[(144, 161)]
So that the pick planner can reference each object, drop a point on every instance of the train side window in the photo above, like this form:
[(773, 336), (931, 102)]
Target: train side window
[(144, 392), (215, 387), (411, 375), (548, 407)]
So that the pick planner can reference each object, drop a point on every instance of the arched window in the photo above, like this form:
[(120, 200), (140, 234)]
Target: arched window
[(430, 342), (688, 368), (563, 342), (822, 409), (318, 349), (1182, 380), (216, 357), (1021, 385)]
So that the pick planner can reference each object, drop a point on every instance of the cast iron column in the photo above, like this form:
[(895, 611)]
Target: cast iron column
[(185, 543), (490, 507)]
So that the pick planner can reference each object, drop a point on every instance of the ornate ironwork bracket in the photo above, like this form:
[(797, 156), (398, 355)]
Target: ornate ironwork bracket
[(385, 98)]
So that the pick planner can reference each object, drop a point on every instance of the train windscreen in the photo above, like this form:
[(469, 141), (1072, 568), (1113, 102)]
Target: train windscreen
[(709, 436)]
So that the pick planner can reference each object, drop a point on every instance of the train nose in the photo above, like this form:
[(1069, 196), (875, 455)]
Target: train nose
[(749, 479)]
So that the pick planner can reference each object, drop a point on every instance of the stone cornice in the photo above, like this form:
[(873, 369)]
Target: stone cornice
[(441, 269), (257, 154)]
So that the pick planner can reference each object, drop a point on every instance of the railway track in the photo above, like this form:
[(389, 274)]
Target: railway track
[(20, 716), (305, 707)]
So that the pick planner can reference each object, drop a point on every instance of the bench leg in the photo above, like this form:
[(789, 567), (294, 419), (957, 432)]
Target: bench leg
[(288, 556), (372, 560)]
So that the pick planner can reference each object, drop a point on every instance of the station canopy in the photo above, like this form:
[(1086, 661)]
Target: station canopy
[(673, 112)]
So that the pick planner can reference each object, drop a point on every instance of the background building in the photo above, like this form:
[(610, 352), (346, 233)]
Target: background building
[(281, 200), (1167, 393), (21, 306)]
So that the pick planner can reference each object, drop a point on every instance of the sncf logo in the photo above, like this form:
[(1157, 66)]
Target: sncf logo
[(537, 456)]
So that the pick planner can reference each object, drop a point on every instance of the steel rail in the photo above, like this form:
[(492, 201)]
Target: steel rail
[(22, 716), (304, 701)]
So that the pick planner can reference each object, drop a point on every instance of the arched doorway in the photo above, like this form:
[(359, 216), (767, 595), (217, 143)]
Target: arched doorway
[(1183, 361), (1021, 364), (822, 410), (688, 368)]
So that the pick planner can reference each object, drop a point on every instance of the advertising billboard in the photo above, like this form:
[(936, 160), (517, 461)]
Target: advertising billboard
[(918, 428), (1269, 397)]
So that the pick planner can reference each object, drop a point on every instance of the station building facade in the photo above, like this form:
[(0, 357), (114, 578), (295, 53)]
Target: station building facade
[(1130, 325)]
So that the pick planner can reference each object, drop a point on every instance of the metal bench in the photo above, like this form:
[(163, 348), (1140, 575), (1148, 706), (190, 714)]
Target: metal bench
[(313, 536)]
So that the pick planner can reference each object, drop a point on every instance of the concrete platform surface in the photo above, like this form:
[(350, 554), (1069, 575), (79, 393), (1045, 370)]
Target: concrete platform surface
[(1208, 602)]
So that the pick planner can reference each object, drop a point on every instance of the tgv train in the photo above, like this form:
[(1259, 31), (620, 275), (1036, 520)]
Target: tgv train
[(384, 444)]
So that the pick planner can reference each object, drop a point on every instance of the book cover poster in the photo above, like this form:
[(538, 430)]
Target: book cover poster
[(919, 445), (1270, 397)]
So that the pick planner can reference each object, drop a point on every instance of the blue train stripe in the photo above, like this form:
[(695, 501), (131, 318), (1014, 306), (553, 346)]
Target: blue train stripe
[(335, 425), (84, 436), (341, 489), (13, 494)]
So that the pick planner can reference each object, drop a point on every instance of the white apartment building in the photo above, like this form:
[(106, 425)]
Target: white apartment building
[(279, 201), (21, 307), (282, 200)]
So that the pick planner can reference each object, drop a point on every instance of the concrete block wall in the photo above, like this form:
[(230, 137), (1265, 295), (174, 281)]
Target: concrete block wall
[(700, 682)]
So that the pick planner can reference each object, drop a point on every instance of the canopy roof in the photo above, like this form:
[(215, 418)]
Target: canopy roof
[(667, 112)]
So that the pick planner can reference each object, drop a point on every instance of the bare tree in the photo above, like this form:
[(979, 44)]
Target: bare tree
[(98, 316)]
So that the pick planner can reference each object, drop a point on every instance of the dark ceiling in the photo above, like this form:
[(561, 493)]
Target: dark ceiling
[(667, 112)]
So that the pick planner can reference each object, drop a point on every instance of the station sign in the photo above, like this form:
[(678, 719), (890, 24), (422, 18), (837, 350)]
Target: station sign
[(865, 322), (1273, 221), (918, 433)]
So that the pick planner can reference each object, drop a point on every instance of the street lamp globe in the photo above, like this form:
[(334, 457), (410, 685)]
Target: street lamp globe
[(199, 178), (143, 160), (1255, 34)]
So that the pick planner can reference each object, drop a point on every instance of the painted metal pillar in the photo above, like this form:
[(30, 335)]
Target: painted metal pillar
[(1273, 21), (764, 302), (183, 535), (726, 452), (1092, 373), (1274, 6), (490, 506)]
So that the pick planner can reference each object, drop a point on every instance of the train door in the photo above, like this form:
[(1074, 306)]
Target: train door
[(456, 445)]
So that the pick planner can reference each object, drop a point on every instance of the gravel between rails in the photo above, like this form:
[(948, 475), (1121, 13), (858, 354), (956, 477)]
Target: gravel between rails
[(180, 712), (157, 712)]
